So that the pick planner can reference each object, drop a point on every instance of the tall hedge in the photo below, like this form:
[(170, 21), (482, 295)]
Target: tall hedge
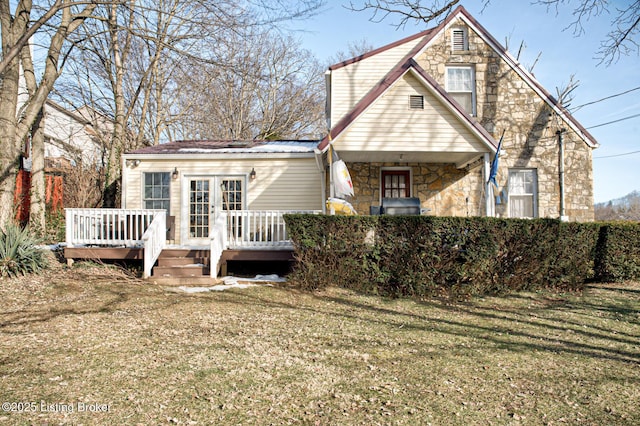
[(427, 256), (618, 252)]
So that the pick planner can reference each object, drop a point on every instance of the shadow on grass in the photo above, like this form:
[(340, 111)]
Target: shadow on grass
[(507, 330), (114, 302)]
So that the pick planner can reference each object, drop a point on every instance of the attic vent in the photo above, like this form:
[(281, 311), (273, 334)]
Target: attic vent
[(416, 102), (459, 40)]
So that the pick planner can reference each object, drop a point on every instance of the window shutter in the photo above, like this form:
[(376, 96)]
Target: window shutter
[(416, 102), (459, 40)]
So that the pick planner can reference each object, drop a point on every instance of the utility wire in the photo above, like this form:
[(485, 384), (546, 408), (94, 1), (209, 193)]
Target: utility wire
[(574, 109), (618, 155), (614, 121)]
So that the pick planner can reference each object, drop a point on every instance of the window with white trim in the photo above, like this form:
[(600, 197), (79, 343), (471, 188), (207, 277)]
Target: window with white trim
[(156, 190), (523, 193), (461, 86), (459, 40)]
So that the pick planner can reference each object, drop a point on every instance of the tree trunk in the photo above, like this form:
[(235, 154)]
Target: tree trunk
[(8, 103), (38, 205)]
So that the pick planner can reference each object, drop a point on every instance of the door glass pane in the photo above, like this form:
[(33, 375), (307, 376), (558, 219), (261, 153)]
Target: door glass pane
[(199, 208), (231, 194)]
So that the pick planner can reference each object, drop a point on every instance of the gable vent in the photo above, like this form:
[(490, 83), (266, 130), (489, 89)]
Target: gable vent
[(416, 102), (459, 40)]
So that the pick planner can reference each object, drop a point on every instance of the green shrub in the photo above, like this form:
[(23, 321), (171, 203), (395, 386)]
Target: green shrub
[(434, 256), (18, 252), (618, 252)]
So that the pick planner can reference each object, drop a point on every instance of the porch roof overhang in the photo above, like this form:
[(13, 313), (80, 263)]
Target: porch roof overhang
[(459, 159)]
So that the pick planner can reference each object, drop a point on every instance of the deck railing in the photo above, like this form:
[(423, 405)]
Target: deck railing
[(153, 241), (263, 229), (109, 227)]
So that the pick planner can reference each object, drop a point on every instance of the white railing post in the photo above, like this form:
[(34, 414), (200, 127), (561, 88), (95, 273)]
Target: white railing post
[(218, 243), (69, 226), (153, 241)]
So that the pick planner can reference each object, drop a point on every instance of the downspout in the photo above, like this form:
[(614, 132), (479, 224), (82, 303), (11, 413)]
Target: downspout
[(323, 178), (563, 216), (331, 184)]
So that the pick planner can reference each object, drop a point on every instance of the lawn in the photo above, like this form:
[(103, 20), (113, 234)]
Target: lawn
[(93, 345)]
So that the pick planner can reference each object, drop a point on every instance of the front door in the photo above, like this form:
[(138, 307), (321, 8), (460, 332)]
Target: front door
[(205, 197)]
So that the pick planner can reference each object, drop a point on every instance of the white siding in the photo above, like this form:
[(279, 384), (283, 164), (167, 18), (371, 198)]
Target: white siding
[(67, 137), (351, 83), (389, 125), (280, 184)]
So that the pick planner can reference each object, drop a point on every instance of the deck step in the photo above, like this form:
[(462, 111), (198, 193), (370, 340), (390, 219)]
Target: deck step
[(181, 261), (205, 281), (175, 263), (178, 252), (194, 270)]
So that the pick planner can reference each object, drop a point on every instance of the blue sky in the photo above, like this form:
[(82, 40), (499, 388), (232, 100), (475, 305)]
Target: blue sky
[(562, 54)]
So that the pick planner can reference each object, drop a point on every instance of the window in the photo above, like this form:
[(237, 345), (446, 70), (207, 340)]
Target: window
[(416, 102), (523, 193), (395, 184), (461, 85), (156, 190), (459, 42)]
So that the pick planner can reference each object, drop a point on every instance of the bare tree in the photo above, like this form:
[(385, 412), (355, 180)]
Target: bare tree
[(269, 89), (136, 60), (622, 39), (17, 114), (354, 49)]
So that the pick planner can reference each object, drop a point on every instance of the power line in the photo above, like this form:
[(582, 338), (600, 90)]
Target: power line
[(574, 109), (614, 121), (618, 155)]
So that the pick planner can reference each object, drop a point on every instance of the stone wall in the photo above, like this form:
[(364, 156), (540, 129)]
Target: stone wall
[(443, 189), (506, 103)]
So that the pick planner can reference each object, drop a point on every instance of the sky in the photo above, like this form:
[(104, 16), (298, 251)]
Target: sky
[(616, 162)]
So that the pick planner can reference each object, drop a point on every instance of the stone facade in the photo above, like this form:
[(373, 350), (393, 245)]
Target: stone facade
[(443, 189), (505, 103)]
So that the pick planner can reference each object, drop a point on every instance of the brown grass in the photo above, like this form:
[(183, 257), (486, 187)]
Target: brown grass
[(273, 355)]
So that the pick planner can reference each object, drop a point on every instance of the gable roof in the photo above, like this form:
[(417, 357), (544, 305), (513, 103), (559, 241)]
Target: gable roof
[(402, 68), (408, 62), (527, 77)]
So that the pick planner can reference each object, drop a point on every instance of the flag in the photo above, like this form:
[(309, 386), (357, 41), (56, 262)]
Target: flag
[(342, 179), (494, 164)]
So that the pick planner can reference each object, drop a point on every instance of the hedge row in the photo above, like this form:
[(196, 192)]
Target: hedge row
[(429, 256)]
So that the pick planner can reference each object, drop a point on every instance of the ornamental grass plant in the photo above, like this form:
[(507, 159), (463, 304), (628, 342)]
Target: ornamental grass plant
[(19, 253)]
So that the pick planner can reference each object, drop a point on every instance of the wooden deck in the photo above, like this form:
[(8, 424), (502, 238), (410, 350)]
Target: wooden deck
[(140, 234), (124, 254), (104, 253)]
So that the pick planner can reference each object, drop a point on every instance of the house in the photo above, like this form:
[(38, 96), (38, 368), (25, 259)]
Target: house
[(70, 139), (422, 118)]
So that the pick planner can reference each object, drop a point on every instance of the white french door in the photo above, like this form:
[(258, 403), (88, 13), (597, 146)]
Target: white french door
[(203, 198)]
